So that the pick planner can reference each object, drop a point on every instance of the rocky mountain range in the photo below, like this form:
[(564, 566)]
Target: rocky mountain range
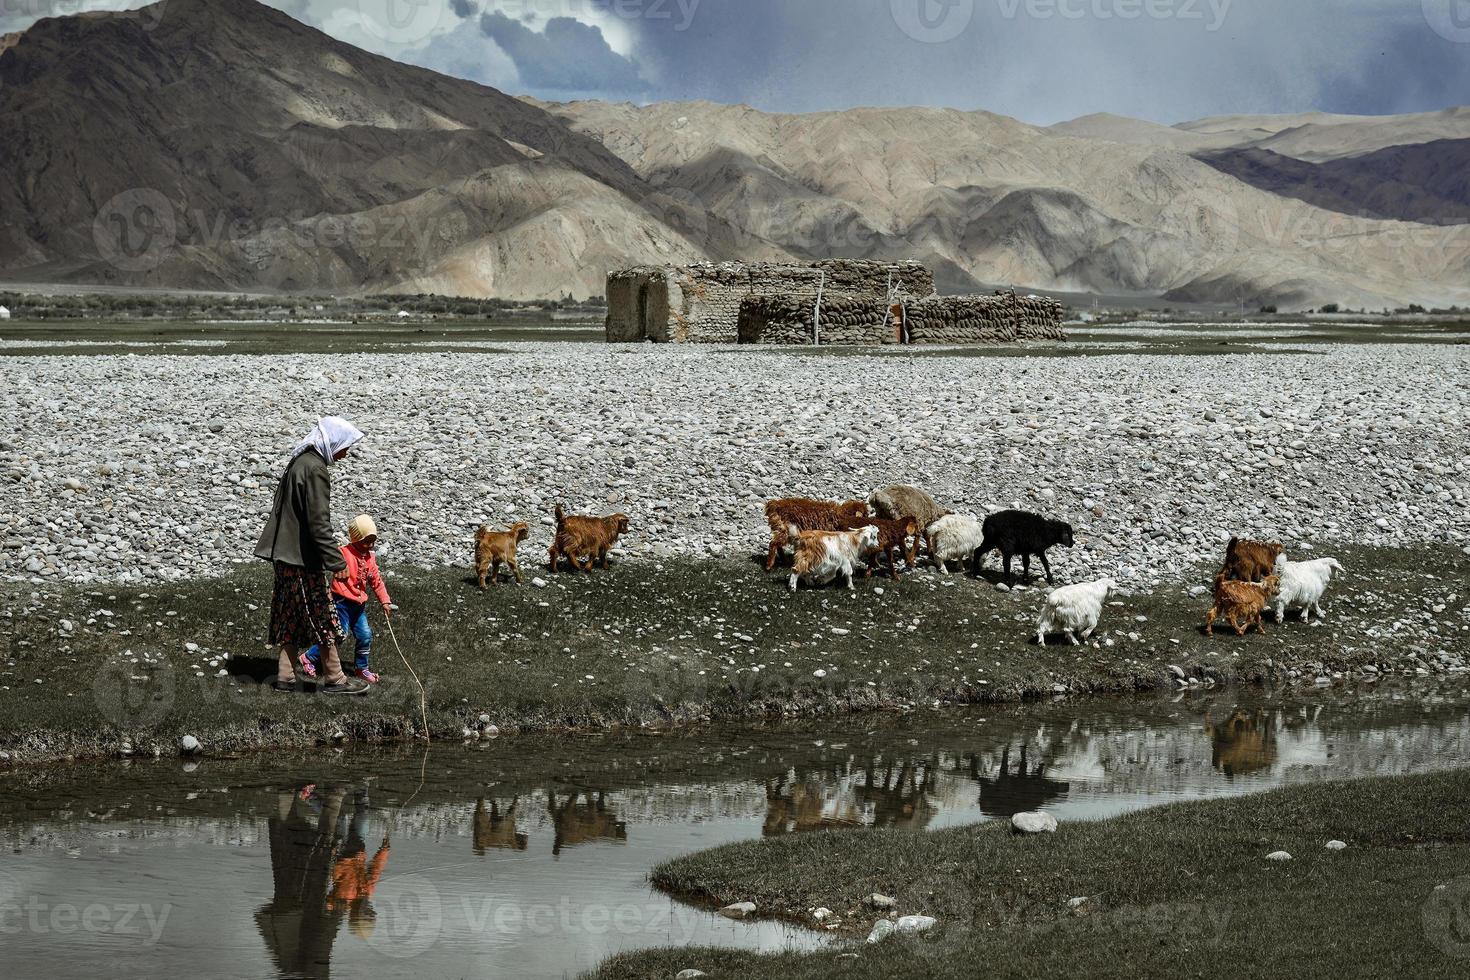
[(219, 144)]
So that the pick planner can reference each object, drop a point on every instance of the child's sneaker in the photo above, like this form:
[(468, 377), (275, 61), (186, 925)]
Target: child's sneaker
[(307, 667), (369, 676)]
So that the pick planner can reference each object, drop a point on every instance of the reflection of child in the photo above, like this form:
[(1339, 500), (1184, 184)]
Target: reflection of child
[(350, 590), (354, 877)]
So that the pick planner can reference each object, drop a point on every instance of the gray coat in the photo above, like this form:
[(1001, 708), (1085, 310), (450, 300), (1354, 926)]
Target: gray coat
[(299, 531)]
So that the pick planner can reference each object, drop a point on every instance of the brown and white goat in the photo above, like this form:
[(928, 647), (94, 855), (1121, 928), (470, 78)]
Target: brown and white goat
[(809, 515), (822, 556)]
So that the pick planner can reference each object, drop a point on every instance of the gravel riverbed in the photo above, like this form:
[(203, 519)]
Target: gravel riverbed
[(142, 468)]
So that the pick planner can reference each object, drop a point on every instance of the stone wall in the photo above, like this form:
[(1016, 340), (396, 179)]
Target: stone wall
[(1001, 318), (787, 320), (701, 303)]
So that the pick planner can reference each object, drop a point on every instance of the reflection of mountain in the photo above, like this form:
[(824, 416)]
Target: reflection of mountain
[(1020, 790), (496, 831), (585, 822), (1243, 744)]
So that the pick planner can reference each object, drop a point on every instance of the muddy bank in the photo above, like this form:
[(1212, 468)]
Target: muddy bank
[(92, 673)]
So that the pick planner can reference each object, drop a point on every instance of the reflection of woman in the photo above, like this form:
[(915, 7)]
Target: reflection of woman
[(298, 540), (298, 925)]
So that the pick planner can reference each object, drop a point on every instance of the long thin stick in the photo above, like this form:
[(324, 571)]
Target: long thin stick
[(423, 698)]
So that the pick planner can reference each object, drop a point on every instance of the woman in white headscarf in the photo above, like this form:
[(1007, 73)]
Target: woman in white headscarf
[(299, 542)]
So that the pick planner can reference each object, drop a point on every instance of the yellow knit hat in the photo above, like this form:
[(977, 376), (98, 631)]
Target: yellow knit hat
[(361, 528)]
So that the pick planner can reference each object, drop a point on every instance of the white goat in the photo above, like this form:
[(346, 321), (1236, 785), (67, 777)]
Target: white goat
[(822, 556), (1303, 584), (953, 537), (1073, 609)]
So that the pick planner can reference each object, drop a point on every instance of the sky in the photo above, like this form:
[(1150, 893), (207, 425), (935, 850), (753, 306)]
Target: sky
[(1042, 61)]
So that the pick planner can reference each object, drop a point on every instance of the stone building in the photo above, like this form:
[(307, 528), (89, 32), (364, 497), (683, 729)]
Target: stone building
[(701, 303), (841, 301)]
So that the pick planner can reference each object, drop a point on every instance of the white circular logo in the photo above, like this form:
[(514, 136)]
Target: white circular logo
[(135, 230), (1450, 19), (681, 210), (1446, 917), (129, 704), (400, 21), (410, 916), (933, 21)]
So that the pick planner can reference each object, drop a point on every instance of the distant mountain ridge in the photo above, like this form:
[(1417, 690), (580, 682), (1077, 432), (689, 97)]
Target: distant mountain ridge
[(219, 144)]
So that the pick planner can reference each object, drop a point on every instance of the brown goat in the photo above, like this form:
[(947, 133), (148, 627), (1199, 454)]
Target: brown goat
[(809, 515), (494, 548), (1241, 604), (585, 541), (896, 539), (1250, 561)]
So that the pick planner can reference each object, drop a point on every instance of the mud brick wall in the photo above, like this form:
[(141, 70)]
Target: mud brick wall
[(1002, 318), (787, 320), (701, 303)]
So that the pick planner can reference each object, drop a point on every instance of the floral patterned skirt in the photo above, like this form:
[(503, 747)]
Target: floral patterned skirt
[(302, 612)]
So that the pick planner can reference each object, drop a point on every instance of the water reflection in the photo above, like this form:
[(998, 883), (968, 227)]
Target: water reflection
[(496, 831), (321, 876), (586, 822), (1019, 789), (285, 861), (1243, 744)]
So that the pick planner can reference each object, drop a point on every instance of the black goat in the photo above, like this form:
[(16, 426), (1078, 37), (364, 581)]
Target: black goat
[(1015, 532)]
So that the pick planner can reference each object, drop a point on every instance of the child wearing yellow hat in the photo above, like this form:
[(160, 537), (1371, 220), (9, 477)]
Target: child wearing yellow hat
[(350, 592)]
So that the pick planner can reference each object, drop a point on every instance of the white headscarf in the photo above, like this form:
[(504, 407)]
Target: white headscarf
[(330, 437)]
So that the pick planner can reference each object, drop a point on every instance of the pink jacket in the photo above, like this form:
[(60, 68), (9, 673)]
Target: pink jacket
[(362, 574)]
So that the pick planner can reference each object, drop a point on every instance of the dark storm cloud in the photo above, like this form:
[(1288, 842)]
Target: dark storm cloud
[(1038, 60), (565, 56)]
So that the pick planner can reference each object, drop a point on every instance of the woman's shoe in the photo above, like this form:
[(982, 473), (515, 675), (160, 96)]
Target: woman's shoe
[(284, 687), (349, 686)]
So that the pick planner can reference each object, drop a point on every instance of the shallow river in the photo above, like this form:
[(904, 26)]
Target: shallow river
[(529, 858)]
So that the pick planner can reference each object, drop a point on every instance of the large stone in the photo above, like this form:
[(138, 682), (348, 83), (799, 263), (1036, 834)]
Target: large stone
[(1034, 823)]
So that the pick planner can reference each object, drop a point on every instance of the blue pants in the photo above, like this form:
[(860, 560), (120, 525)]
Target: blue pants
[(353, 617)]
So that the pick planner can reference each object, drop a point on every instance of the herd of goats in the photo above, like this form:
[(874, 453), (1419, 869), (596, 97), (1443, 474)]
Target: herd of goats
[(825, 541)]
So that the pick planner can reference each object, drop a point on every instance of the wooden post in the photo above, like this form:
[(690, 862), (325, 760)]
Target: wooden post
[(817, 313)]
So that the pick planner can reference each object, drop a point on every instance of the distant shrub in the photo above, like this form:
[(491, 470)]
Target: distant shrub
[(1332, 308)]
